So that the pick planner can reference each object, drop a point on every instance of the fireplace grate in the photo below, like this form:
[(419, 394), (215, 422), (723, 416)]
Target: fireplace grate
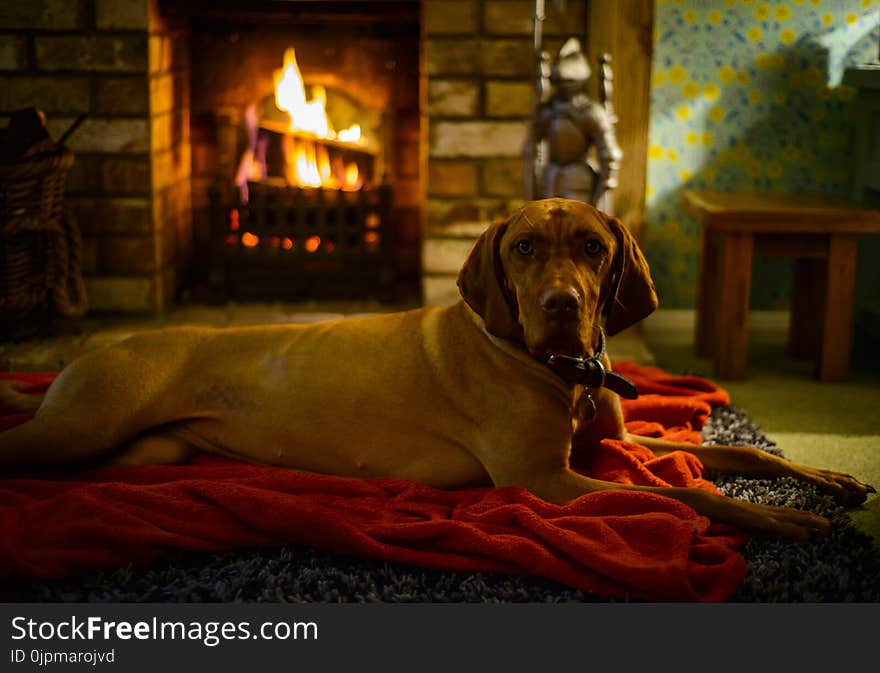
[(293, 243)]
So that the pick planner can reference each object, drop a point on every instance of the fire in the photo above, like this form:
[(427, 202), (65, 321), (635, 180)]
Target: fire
[(290, 96), (308, 161), (324, 170), (302, 165), (306, 115), (314, 155), (350, 135), (353, 180), (309, 165)]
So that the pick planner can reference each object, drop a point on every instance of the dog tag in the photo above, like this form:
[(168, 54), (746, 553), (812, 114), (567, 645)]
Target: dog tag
[(588, 406)]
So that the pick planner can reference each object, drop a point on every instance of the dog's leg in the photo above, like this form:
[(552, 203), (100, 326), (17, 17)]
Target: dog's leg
[(563, 486), (154, 448), (745, 460), (46, 441), (11, 397), (749, 461), (96, 405), (536, 457)]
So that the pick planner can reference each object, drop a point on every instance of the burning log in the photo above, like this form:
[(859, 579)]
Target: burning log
[(338, 143), (318, 162)]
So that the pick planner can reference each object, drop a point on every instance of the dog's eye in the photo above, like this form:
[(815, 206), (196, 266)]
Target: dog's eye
[(592, 247), (524, 246)]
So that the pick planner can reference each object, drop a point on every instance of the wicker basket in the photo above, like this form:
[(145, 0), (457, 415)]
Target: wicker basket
[(40, 249)]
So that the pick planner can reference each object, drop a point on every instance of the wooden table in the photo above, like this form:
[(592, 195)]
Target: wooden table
[(820, 232)]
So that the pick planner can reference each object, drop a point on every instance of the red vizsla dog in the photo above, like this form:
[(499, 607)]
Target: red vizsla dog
[(500, 387)]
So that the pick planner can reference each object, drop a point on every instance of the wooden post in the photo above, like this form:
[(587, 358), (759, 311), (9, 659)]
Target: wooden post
[(838, 313), (808, 299), (732, 323), (705, 338), (624, 29)]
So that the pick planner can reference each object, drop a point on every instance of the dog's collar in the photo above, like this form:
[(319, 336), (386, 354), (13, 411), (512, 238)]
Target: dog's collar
[(591, 373)]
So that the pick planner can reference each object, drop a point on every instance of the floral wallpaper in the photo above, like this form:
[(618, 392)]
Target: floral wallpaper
[(747, 95)]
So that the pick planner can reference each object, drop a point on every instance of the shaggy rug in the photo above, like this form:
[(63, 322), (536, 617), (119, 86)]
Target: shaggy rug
[(843, 567)]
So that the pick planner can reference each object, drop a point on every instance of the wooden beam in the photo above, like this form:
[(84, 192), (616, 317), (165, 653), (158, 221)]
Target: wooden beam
[(624, 29), (837, 318), (732, 321)]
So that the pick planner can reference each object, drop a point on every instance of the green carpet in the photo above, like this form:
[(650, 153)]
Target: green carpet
[(829, 425)]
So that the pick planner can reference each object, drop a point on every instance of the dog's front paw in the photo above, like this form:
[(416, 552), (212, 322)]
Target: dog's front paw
[(759, 519), (785, 522), (844, 488)]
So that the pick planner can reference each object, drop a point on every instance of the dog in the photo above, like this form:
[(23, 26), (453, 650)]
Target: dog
[(500, 388)]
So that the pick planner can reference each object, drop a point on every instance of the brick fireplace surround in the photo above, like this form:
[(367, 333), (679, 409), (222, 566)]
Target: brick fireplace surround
[(134, 184)]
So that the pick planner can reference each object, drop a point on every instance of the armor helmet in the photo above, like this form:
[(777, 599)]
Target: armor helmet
[(570, 65)]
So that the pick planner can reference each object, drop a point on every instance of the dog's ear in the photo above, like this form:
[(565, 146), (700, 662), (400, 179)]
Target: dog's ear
[(632, 296), (481, 282)]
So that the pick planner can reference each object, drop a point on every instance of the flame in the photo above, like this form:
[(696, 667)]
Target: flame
[(306, 166), (301, 167), (324, 170), (290, 97), (352, 181), (350, 135), (309, 163)]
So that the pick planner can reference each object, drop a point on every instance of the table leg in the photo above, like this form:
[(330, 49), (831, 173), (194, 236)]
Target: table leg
[(808, 300), (732, 322), (837, 316), (707, 297)]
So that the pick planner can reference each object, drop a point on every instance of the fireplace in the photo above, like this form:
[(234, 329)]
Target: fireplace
[(305, 121)]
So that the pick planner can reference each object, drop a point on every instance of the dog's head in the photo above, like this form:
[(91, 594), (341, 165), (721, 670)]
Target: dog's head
[(546, 275)]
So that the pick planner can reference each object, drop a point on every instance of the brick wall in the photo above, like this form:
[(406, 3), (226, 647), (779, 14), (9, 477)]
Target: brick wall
[(479, 61), (170, 153), (104, 58)]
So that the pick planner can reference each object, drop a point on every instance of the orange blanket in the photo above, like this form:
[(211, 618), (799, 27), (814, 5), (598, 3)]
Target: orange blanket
[(616, 544)]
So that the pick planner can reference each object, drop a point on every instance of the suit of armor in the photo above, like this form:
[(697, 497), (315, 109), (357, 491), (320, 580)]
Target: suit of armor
[(578, 156)]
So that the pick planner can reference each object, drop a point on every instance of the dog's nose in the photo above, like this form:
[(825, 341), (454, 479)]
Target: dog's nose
[(560, 301)]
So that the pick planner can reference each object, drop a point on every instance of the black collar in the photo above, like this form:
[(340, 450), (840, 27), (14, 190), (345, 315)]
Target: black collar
[(591, 373)]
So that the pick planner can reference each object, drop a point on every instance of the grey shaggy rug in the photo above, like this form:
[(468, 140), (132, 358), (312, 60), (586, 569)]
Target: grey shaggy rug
[(843, 567)]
